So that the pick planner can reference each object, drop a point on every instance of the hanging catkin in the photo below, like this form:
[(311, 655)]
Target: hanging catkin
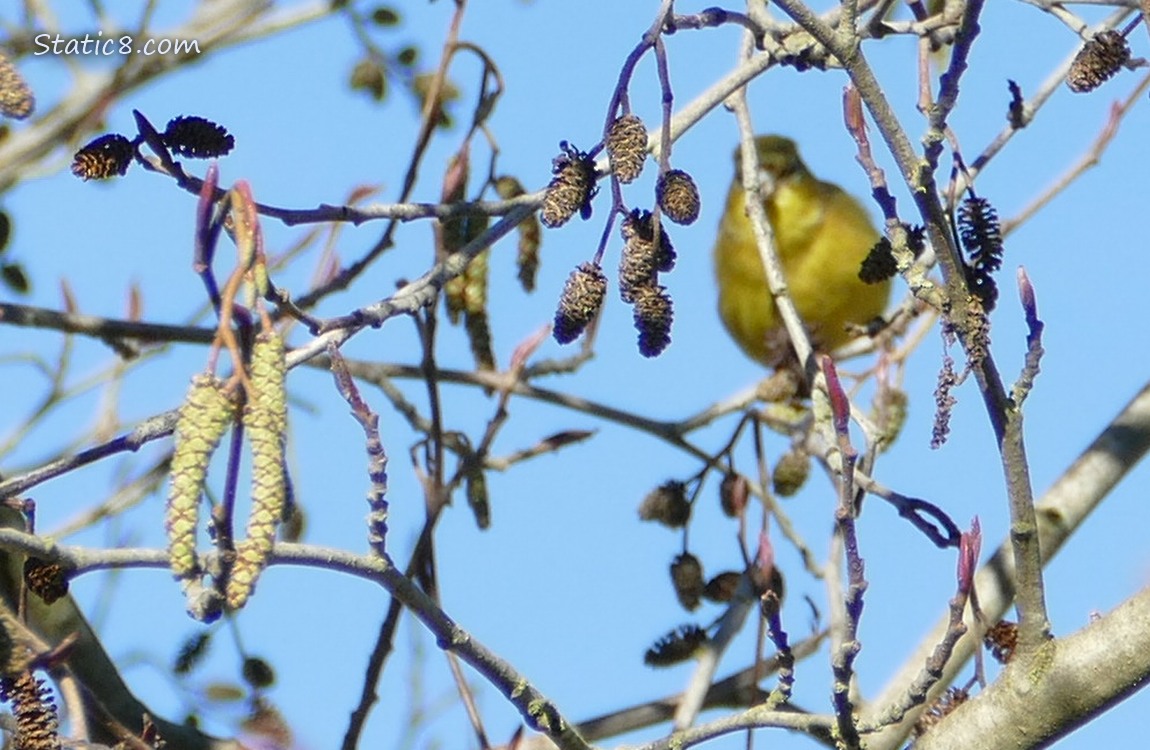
[(265, 419), (204, 417)]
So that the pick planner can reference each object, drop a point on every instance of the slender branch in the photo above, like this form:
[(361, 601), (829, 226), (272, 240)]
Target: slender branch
[(106, 329), (150, 429)]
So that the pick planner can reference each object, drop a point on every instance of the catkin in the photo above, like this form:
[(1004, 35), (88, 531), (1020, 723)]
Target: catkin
[(16, 98), (265, 419), (204, 417)]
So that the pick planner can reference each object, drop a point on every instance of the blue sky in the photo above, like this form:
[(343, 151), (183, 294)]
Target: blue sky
[(567, 584)]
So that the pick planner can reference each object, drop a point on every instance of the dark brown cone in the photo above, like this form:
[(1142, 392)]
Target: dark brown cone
[(1097, 61), (675, 647), (641, 261), (722, 587), (627, 147), (653, 318), (198, 138), (106, 156), (791, 473), (678, 197), (687, 576), (734, 491), (571, 189), (581, 300), (1002, 639), (667, 504), (47, 580)]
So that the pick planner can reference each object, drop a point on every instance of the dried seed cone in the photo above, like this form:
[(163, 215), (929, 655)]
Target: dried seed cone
[(198, 138), (265, 419), (641, 261), (16, 99), (667, 504), (204, 417), (879, 264), (47, 580), (890, 411), (678, 197), (675, 647), (944, 706), (734, 493), (981, 233), (627, 147), (1097, 61), (106, 156), (581, 300), (638, 229), (1002, 640), (37, 724), (687, 577), (653, 317), (723, 587), (636, 270), (570, 190), (791, 473)]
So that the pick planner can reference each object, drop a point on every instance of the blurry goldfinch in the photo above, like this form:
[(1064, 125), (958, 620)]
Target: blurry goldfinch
[(822, 235)]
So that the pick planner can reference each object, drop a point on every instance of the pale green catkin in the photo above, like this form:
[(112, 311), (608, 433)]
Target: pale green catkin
[(265, 419), (205, 416)]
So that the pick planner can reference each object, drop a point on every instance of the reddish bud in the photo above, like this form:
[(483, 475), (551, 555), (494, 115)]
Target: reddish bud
[(840, 404)]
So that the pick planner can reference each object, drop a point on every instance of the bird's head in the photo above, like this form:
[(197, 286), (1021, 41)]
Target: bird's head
[(778, 160)]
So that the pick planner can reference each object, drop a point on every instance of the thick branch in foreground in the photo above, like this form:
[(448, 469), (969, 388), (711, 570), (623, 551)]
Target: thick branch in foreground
[(1082, 676), (1060, 512)]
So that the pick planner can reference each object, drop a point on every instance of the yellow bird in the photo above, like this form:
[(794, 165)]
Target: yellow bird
[(822, 235)]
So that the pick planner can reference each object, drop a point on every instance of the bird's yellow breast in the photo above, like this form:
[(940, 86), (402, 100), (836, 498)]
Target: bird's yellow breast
[(822, 235)]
